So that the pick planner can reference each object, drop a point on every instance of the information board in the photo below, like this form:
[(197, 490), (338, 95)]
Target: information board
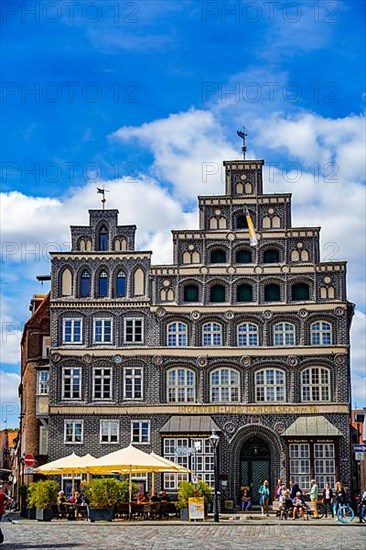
[(196, 508)]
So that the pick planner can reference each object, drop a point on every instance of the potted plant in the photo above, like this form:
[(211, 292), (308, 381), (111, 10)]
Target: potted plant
[(42, 495), (103, 495), (189, 490)]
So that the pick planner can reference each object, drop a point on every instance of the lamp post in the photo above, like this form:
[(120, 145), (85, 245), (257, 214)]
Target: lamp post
[(214, 441)]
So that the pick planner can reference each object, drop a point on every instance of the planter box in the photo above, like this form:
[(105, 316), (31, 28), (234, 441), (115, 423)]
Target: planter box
[(31, 513), (183, 514), (43, 514), (103, 514)]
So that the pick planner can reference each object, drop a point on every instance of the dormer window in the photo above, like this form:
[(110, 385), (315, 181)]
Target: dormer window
[(103, 238)]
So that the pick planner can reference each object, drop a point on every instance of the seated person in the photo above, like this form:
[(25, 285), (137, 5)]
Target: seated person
[(72, 499), (164, 497), (142, 498), (61, 502), (299, 505), (154, 497)]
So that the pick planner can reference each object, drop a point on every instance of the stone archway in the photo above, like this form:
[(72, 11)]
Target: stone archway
[(255, 435)]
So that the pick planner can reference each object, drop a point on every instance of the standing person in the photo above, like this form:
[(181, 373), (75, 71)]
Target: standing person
[(264, 499), (294, 488), (328, 500), (339, 497), (314, 494), (277, 492), (4, 500)]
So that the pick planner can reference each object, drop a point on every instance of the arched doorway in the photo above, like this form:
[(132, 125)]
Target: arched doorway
[(255, 465)]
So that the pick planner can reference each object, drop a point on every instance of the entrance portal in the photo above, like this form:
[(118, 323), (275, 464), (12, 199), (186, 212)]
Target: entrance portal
[(254, 465)]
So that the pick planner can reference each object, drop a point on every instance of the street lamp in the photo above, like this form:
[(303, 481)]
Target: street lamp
[(214, 441)]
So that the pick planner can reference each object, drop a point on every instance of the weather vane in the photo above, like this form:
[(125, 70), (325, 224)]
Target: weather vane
[(243, 135), (103, 191)]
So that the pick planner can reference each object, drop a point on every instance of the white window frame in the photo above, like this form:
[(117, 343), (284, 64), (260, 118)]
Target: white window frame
[(211, 332), (299, 462), (73, 320), (102, 320), (63, 378), (179, 333), (266, 386), (171, 480), (102, 378), (140, 422), (222, 387), (321, 333), (133, 376), (177, 388), (133, 320), (74, 422), (41, 382), (108, 422), (246, 332), (283, 331), (322, 387)]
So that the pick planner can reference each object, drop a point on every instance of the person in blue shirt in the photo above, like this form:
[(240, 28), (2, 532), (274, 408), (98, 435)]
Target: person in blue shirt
[(264, 497)]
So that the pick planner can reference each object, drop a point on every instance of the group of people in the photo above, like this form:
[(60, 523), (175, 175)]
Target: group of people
[(143, 497), (292, 499), (70, 507)]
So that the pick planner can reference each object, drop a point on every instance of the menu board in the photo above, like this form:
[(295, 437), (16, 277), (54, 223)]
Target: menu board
[(196, 508)]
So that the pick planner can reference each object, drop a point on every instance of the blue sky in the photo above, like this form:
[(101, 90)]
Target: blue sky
[(143, 94)]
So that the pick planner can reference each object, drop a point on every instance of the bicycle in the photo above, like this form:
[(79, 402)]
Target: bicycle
[(345, 514)]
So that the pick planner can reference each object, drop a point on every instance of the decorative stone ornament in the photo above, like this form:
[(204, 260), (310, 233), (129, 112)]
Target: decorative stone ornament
[(245, 360), (202, 361), (340, 359), (279, 427), (117, 359), (292, 360), (267, 314), (339, 311), (303, 313), (195, 315), (157, 360), (160, 312), (229, 427), (55, 357), (87, 358), (229, 315)]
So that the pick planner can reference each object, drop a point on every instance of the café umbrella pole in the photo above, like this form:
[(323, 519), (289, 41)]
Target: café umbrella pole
[(130, 495)]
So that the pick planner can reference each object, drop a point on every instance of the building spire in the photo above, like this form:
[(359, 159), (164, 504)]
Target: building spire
[(243, 135), (103, 191)]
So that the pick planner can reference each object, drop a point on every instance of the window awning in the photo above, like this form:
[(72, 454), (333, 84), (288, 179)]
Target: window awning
[(311, 426), (189, 425)]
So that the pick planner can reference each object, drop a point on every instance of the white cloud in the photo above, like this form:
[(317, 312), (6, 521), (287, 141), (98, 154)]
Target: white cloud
[(9, 400)]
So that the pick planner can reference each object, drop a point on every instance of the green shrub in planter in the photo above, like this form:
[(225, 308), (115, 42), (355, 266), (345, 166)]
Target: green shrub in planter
[(42, 495), (104, 494), (188, 490)]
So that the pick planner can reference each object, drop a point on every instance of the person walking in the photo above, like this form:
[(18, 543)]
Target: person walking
[(4, 501), (246, 501), (264, 497), (339, 497), (314, 494), (328, 500)]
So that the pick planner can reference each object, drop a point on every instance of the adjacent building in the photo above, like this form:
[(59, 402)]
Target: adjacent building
[(250, 341)]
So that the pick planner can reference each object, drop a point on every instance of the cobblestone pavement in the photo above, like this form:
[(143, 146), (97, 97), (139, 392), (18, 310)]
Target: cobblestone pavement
[(24, 535)]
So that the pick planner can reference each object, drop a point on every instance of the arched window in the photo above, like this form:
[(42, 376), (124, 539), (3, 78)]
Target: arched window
[(272, 293), (271, 256), (244, 293), (218, 257), (224, 386), (212, 334), (300, 291), (181, 386), (66, 282), (270, 385), (315, 384), (121, 285), (284, 334), (103, 284), (177, 334), (190, 293), (243, 257), (321, 333), (103, 238), (248, 335), (241, 222), (217, 293), (85, 284)]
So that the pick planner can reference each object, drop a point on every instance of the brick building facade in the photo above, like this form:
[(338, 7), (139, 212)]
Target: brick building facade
[(251, 341)]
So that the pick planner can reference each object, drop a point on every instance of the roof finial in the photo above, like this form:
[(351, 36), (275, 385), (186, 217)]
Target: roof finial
[(103, 191), (243, 135)]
